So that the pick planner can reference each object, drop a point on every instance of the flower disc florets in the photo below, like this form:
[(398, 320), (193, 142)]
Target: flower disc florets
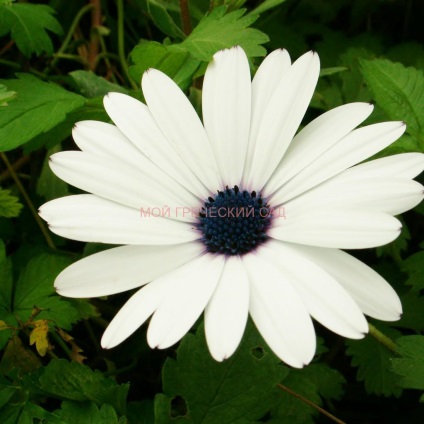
[(234, 221)]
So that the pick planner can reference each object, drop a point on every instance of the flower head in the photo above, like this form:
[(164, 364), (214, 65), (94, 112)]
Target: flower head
[(236, 216)]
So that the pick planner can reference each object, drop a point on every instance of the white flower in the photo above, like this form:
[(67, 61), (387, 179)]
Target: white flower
[(298, 197)]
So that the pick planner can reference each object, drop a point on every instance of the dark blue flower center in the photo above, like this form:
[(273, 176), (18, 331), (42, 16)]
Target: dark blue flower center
[(234, 221)]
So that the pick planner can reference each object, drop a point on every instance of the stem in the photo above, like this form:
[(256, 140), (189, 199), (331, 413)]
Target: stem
[(62, 344), (185, 17), (9, 63), (383, 339), (96, 20), (71, 31), (308, 402), (121, 44), (28, 201), (16, 166)]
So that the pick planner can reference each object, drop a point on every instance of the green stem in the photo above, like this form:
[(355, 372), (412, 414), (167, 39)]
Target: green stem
[(308, 402), (121, 44), (28, 201), (69, 35), (62, 344), (383, 339), (9, 63)]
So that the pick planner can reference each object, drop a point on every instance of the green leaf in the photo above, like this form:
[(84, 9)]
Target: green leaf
[(90, 85), (48, 185), (172, 60), (5, 96), (314, 382), (198, 389), (266, 5), (87, 413), (219, 30), (374, 363), (10, 206), (38, 107), (34, 288), (28, 24), (413, 306), (411, 366), (163, 20), (414, 266), (65, 380), (399, 91)]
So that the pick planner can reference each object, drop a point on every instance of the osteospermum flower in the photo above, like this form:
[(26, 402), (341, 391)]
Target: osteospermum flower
[(239, 215)]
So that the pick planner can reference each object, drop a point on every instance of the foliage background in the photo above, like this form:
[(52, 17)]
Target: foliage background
[(57, 60)]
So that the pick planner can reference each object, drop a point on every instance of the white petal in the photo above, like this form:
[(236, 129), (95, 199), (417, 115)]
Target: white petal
[(121, 183), (227, 311), (343, 228), (404, 165), (122, 268), (135, 312), (279, 313), (317, 137), (392, 196), (192, 286), (371, 292), (226, 110), (271, 72), (106, 140), (134, 119), (357, 146), (281, 119), (326, 300), (180, 124), (89, 218)]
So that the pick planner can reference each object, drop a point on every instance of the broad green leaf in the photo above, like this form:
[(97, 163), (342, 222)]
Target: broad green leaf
[(28, 25), (10, 206), (38, 107), (34, 289), (92, 110), (172, 60), (314, 382), (374, 363), (5, 96), (399, 91), (163, 20), (90, 85), (74, 381), (414, 266), (219, 30), (199, 389), (411, 367)]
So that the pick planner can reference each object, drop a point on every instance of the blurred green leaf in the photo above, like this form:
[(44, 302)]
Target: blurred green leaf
[(266, 5), (48, 185), (10, 206), (399, 91), (65, 380), (5, 96), (38, 107), (414, 266), (199, 389), (374, 363), (163, 20), (172, 60), (411, 367), (413, 307), (219, 30), (90, 85), (28, 25)]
